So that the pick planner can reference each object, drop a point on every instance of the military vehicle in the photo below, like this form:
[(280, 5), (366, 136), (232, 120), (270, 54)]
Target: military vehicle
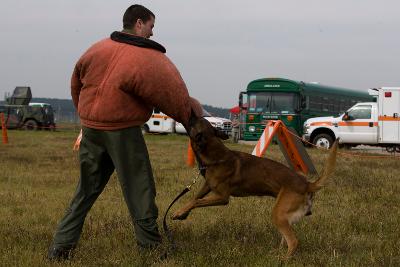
[(20, 113)]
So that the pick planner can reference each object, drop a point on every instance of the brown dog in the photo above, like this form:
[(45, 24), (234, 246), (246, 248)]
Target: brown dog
[(232, 173)]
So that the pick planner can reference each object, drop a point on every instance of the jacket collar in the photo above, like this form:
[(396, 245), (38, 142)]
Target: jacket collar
[(130, 39)]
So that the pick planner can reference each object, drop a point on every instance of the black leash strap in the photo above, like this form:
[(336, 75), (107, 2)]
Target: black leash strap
[(165, 226)]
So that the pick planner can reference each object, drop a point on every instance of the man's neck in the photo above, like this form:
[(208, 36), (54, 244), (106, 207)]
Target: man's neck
[(129, 31)]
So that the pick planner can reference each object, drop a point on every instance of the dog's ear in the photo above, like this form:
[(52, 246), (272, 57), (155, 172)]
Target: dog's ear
[(221, 134)]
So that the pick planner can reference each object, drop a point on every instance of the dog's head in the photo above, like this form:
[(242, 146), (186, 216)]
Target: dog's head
[(202, 133)]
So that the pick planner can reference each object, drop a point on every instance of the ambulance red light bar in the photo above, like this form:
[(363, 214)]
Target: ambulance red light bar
[(388, 94)]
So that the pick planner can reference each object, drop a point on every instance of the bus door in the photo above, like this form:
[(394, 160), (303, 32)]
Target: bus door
[(357, 126)]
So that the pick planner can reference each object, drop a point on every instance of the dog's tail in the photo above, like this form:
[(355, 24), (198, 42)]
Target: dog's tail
[(330, 165)]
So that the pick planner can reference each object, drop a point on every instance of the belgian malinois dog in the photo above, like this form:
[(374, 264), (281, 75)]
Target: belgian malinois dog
[(232, 173)]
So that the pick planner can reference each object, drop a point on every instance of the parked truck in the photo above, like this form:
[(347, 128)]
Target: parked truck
[(161, 123), (20, 113), (368, 123)]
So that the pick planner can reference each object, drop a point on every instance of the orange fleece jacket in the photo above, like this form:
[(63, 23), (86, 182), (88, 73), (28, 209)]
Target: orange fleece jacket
[(116, 85)]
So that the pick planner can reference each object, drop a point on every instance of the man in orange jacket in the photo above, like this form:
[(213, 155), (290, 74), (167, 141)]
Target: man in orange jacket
[(115, 86)]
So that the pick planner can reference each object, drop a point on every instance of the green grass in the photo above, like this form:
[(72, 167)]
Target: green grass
[(354, 223)]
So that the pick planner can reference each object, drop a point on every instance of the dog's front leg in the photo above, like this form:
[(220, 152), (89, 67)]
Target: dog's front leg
[(183, 212), (213, 199)]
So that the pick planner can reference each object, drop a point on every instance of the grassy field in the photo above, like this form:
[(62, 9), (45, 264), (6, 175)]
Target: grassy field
[(355, 219)]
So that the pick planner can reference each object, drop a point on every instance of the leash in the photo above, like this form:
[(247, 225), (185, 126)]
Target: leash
[(167, 231), (165, 226)]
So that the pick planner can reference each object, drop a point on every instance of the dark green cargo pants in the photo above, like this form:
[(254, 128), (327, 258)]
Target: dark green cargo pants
[(100, 153)]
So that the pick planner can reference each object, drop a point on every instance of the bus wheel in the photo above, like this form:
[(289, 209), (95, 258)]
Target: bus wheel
[(145, 129), (323, 140), (31, 125), (390, 149)]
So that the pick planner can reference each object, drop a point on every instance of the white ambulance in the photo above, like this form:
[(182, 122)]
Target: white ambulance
[(159, 123), (370, 123)]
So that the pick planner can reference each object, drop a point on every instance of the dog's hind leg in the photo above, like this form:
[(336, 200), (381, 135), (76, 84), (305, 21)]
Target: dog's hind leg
[(183, 212), (280, 218)]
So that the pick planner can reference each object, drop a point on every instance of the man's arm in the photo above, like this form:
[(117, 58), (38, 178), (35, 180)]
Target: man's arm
[(164, 88), (76, 85)]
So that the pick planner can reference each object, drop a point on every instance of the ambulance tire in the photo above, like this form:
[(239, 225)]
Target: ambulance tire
[(323, 140), (145, 129)]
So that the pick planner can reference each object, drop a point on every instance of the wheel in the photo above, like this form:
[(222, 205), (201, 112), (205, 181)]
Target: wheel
[(390, 149), (31, 125), (398, 149), (145, 129), (323, 140)]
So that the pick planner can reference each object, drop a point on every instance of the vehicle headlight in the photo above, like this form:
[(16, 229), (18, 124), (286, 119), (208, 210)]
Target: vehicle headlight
[(252, 129), (213, 124), (306, 128)]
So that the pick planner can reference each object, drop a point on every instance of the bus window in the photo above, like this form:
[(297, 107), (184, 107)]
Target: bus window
[(315, 103), (259, 102), (284, 103)]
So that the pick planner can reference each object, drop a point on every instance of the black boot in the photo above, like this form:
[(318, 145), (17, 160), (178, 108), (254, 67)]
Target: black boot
[(60, 253)]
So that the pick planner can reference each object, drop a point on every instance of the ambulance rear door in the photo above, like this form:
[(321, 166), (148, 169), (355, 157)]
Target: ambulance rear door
[(161, 123), (389, 115)]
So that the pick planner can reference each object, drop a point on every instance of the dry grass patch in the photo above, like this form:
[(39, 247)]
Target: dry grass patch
[(354, 222)]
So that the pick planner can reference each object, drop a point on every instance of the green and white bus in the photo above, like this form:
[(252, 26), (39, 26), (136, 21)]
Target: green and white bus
[(293, 102)]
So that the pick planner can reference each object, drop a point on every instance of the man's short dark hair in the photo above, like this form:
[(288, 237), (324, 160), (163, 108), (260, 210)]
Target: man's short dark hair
[(135, 12)]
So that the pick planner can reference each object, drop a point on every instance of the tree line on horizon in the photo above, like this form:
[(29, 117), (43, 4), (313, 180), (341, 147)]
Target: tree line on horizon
[(64, 108)]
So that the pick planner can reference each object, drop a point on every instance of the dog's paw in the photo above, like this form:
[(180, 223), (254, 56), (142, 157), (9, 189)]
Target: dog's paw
[(180, 215)]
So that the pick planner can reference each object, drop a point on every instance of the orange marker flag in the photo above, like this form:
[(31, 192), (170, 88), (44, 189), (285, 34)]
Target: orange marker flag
[(4, 129), (78, 142), (190, 155)]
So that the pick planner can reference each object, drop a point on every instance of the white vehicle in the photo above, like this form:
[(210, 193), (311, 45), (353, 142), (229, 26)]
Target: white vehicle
[(222, 124), (371, 123), (159, 123)]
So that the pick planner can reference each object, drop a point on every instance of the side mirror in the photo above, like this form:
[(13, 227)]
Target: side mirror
[(303, 102), (241, 101), (346, 116)]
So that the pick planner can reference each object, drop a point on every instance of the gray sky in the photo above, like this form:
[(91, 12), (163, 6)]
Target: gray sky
[(218, 46)]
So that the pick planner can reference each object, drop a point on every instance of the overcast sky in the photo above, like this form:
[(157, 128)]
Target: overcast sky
[(218, 46)]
